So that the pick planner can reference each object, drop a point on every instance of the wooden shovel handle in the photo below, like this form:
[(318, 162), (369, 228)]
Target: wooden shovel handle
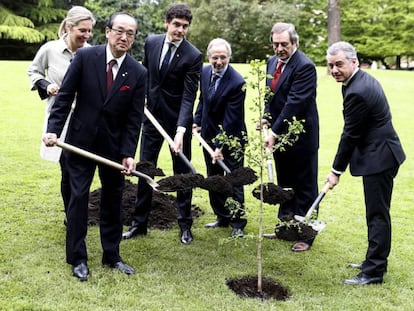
[(211, 152), (167, 137), (103, 160)]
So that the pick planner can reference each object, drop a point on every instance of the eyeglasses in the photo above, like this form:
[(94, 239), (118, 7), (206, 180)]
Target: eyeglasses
[(120, 32)]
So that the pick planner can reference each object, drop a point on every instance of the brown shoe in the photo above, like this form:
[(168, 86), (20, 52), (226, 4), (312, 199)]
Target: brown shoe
[(300, 247)]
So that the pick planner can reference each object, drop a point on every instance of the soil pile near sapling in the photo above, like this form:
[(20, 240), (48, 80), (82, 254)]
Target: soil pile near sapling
[(163, 209), (290, 229), (246, 287), (273, 194)]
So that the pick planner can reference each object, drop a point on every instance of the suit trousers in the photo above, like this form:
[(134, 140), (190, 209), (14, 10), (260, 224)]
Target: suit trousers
[(81, 173), (217, 200), (298, 171), (64, 181), (151, 143), (378, 192)]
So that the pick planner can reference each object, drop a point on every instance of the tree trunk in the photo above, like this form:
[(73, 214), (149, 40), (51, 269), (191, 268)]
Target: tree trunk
[(334, 23)]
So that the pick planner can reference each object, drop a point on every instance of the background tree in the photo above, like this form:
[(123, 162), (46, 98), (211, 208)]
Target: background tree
[(245, 24), (334, 22), (149, 13), (25, 25), (383, 30)]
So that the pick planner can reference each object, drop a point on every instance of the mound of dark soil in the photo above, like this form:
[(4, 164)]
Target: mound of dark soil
[(290, 229), (273, 194), (295, 232), (246, 287), (163, 213)]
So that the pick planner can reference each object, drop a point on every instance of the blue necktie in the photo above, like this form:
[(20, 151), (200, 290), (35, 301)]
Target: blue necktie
[(166, 60), (212, 86)]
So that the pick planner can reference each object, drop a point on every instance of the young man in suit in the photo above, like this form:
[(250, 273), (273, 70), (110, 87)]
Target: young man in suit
[(371, 147), (106, 121), (222, 104), (174, 67), (294, 95)]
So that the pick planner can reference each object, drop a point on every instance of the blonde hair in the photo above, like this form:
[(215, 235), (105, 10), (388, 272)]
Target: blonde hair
[(74, 16)]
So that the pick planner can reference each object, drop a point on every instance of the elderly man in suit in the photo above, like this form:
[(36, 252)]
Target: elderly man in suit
[(174, 67), (221, 108), (294, 95), (109, 87), (371, 147)]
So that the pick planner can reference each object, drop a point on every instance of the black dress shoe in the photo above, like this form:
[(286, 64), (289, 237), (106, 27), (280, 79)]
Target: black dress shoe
[(216, 224), (186, 237), (81, 271), (121, 266), (237, 233), (135, 231), (364, 279)]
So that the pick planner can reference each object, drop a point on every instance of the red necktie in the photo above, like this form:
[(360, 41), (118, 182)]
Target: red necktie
[(109, 75), (276, 75)]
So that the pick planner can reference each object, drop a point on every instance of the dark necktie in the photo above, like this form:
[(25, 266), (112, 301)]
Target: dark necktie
[(166, 60), (276, 75), (109, 75), (212, 86)]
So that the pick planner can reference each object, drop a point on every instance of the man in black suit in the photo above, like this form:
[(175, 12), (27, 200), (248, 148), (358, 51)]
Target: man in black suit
[(172, 89), (106, 121), (371, 147), (294, 95), (222, 104)]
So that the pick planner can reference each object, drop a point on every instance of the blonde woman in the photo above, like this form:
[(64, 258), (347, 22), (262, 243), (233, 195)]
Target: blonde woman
[(48, 69)]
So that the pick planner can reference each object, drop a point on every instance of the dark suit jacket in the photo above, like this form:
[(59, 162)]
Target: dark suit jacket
[(171, 98), (295, 95), (226, 107), (368, 141), (107, 124)]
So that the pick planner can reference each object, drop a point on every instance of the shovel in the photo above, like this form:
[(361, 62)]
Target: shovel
[(316, 224), (164, 134), (108, 162), (272, 194), (211, 152), (239, 177)]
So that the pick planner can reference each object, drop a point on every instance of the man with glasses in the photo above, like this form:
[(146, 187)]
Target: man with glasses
[(174, 67), (109, 86), (293, 88)]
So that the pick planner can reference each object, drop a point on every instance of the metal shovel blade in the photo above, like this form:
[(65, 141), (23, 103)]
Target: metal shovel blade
[(316, 225)]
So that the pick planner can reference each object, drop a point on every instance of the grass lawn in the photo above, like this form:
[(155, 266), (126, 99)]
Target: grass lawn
[(170, 276)]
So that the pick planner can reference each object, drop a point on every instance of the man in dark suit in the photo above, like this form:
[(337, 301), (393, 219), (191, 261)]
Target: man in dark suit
[(294, 95), (222, 104), (174, 67), (106, 121), (371, 147)]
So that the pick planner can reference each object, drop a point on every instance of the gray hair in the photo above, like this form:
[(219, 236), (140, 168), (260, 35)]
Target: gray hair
[(218, 42), (282, 27), (74, 16), (343, 46)]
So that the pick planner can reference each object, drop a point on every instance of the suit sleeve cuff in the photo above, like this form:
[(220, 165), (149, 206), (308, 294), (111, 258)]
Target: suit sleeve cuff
[(181, 129), (336, 172)]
